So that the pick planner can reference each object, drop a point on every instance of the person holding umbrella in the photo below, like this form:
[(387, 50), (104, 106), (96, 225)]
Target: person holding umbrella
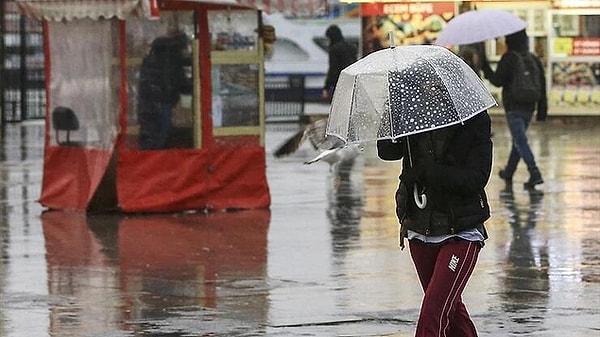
[(424, 105), (519, 111), (452, 165)]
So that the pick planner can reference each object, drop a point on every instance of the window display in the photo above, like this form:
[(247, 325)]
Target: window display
[(232, 30), (574, 48), (235, 89), (237, 76)]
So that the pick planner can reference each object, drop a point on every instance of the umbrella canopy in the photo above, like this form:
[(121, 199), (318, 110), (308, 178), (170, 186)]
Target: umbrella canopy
[(479, 25), (404, 90)]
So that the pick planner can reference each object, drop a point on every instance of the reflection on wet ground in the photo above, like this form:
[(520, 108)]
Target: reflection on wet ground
[(157, 274), (322, 261)]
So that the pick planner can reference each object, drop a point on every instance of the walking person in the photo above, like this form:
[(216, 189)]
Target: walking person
[(519, 110), (341, 54), (451, 167)]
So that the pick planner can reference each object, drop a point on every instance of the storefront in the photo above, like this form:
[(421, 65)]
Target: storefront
[(565, 34), (574, 60), (123, 133)]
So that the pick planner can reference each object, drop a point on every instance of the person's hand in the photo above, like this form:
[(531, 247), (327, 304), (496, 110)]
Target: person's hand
[(480, 54), (542, 112), (485, 64), (325, 94), (483, 61), (411, 175), (388, 149), (541, 115), (486, 68)]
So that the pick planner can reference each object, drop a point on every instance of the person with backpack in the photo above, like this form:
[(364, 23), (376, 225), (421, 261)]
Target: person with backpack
[(520, 73), (341, 54)]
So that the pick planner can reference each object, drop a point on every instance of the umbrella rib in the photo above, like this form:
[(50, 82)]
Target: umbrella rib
[(352, 105)]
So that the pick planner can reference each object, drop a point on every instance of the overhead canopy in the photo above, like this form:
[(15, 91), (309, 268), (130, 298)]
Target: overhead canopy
[(58, 10)]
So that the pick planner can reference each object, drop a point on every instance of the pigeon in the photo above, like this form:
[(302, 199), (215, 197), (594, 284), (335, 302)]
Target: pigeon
[(332, 150)]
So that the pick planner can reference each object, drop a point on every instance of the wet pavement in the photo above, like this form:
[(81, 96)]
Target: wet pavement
[(322, 261)]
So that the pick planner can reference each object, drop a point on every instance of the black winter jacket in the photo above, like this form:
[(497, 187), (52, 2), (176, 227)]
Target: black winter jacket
[(341, 54), (453, 165)]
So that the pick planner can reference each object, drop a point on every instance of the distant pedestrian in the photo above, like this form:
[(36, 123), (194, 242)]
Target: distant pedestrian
[(451, 167), (519, 110), (341, 54)]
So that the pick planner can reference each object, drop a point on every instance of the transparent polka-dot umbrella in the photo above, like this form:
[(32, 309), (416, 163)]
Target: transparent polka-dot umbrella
[(404, 90)]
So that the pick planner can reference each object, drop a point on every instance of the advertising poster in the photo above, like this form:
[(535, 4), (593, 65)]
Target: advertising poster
[(411, 23)]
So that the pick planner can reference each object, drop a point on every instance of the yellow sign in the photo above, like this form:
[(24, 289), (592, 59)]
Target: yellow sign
[(563, 46)]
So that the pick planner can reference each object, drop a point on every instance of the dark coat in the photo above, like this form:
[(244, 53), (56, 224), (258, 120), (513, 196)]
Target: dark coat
[(502, 77), (341, 54), (454, 165)]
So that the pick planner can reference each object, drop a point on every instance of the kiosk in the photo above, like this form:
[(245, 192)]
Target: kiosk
[(123, 133)]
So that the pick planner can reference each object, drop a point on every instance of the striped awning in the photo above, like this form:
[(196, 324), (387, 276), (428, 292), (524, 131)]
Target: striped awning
[(58, 10)]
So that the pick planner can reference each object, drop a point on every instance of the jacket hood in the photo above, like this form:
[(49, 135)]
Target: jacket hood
[(517, 41), (334, 34)]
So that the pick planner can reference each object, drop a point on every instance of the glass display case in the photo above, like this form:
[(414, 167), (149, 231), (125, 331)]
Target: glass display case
[(235, 95), (236, 72)]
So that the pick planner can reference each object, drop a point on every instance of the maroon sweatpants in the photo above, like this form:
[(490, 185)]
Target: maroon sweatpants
[(444, 270)]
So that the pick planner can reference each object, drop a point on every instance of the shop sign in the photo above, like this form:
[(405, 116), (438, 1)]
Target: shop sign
[(586, 46), (410, 22), (422, 8), (576, 4), (566, 46)]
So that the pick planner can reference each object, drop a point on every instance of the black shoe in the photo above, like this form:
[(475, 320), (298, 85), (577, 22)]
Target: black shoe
[(507, 179), (534, 179)]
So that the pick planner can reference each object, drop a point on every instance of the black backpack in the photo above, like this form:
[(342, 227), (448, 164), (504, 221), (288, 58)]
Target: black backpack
[(526, 85)]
